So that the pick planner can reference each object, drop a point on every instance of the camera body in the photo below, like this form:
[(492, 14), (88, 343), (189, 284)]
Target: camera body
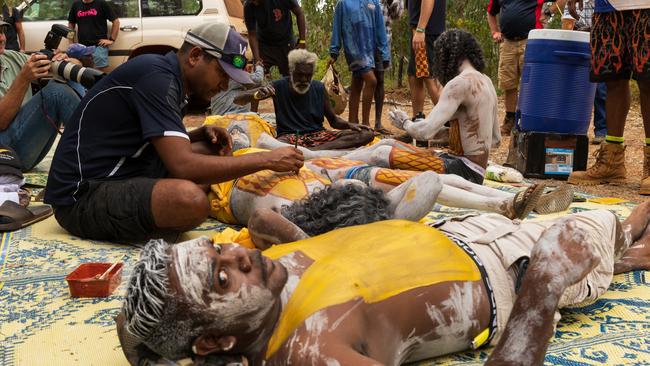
[(85, 76)]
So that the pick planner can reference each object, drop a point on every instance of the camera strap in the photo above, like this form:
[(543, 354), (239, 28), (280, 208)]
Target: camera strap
[(47, 116)]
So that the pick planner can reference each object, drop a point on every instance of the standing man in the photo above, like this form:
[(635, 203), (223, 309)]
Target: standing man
[(91, 16), (126, 169), (14, 32), (517, 18), (427, 21), (620, 49), (359, 29), (270, 31)]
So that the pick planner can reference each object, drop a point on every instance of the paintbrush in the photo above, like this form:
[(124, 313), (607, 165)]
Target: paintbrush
[(103, 276), (295, 144)]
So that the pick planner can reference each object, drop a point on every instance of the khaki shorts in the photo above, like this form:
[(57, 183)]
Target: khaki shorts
[(511, 62), (498, 242)]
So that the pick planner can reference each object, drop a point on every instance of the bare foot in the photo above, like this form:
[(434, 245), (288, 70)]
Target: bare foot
[(638, 221), (562, 253)]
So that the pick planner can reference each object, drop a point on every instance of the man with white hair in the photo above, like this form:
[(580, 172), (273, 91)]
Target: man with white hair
[(301, 105)]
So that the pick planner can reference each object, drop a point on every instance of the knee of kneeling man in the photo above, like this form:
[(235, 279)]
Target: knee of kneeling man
[(192, 198)]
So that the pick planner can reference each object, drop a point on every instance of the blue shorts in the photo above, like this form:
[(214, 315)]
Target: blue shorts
[(100, 57)]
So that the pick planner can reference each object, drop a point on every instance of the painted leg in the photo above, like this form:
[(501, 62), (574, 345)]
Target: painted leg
[(266, 141), (559, 259), (413, 199), (462, 183), (268, 227)]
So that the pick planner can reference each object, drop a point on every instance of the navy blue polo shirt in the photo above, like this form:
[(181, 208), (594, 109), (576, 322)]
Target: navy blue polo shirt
[(109, 135), (517, 17)]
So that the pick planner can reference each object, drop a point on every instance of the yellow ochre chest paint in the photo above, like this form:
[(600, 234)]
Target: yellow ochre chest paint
[(372, 262)]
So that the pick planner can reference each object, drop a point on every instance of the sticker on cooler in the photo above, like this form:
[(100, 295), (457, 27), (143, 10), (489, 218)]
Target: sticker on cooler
[(558, 161)]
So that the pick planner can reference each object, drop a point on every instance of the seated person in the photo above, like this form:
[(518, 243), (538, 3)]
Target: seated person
[(468, 100), (301, 104), (29, 123), (126, 169), (379, 294), (223, 103)]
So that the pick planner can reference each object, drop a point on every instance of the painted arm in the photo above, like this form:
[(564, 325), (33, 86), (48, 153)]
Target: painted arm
[(452, 97), (268, 228), (559, 259)]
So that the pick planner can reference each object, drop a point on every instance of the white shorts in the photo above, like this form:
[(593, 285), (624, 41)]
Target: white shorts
[(499, 242)]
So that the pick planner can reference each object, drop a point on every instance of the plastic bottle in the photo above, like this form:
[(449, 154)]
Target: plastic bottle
[(499, 173)]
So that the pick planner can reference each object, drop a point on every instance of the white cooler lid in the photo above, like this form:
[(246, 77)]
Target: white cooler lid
[(559, 35)]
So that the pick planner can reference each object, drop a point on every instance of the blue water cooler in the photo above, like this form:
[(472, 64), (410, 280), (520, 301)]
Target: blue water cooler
[(555, 104)]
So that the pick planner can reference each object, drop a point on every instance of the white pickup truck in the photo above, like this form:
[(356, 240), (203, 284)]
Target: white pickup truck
[(146, 26)]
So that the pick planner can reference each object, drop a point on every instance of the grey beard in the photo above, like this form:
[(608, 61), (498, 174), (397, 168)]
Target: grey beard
[(301, 91)]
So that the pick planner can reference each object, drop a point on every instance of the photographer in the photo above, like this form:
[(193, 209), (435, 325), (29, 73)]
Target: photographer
[(29, 123)]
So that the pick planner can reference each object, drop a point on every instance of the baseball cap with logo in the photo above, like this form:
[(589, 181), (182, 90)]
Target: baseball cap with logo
[(223, 42), (9, 161), (77, 50)]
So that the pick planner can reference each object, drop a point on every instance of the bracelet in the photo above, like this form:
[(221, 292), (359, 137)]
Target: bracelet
[(301, 41), (256, 95), (420, 30)]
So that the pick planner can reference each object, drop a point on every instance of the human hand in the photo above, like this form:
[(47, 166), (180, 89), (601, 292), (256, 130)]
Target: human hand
[(36, 67), (60, 56), (397, 118), (264, 92), (497, 37), (418, 40), (572, 7), (358, 127), (220, 137), (285, 159), (105, 42)]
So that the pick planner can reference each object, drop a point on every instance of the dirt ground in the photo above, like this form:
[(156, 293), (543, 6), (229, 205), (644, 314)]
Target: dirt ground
[(634, 135)]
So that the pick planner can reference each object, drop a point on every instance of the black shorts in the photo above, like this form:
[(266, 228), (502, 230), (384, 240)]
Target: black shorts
[(429, 40), (117, 211), (455, 165), (276, 56), (620, 45)]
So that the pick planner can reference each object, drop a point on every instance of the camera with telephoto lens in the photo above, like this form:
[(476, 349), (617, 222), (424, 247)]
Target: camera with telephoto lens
[(85, 76)]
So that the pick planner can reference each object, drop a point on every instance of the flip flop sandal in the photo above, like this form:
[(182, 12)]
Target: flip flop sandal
[(14, 216), (556, 200), (527, 199)]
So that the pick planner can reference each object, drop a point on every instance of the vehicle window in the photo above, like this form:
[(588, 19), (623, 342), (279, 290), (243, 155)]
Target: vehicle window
[(58, 9), (167, 8)]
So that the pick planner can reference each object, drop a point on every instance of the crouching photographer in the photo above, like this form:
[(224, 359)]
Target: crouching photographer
[(29, 123)]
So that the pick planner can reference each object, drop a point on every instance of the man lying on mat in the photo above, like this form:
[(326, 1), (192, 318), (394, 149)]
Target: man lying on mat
[(379, 294)]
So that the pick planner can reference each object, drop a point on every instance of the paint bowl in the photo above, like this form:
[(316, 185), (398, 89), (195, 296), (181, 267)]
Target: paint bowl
[(85, 280)]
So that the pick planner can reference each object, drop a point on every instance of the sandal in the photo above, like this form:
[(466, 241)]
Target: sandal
[(14, 216), (524, 201), (556, 200)]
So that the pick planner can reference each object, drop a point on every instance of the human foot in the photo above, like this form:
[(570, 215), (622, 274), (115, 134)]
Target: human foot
[(637, 257)]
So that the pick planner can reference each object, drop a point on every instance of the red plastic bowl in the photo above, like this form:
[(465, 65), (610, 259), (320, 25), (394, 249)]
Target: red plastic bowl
[(84, 281)]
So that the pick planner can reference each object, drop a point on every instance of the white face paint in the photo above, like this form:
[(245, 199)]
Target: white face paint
[(192, 268)]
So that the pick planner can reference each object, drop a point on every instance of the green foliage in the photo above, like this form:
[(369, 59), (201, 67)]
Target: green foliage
[(469, 15)]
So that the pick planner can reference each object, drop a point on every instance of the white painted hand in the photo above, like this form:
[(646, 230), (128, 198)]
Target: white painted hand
[(398, 117)]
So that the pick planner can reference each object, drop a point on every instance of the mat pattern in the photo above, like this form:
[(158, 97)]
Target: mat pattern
[(41, 325)]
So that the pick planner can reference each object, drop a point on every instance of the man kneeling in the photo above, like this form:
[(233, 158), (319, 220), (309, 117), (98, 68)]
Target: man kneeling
[(378, 294), (301, 105)]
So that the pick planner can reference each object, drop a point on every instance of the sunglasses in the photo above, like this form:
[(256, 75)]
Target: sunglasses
[(235, 59)]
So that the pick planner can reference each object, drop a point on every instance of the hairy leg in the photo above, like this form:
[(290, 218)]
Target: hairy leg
[(559, 259), (268, 227), (178, 204), (413, 199), (417, 94)]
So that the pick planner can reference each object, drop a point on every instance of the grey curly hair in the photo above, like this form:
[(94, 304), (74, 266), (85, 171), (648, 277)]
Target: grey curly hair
[(300, 56)]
